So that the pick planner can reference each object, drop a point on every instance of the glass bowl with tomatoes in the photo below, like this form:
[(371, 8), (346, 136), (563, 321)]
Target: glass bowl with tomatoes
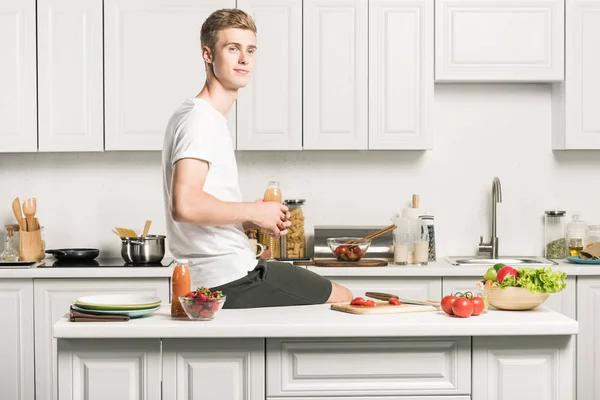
[(348, 248), (202, 305)]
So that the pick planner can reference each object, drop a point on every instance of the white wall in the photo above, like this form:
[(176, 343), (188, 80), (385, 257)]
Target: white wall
[(482, 131)]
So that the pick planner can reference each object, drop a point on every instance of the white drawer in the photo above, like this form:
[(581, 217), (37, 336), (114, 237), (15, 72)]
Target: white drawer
[(377, 398), (368, 366)]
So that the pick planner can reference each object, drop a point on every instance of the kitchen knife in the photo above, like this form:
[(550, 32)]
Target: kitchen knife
[(387, 296)]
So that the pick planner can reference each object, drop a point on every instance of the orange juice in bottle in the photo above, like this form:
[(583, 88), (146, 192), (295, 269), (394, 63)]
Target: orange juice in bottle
[(180, 286), (273, 193)]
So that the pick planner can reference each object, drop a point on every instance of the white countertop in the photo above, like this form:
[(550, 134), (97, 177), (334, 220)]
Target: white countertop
[(321, 321)]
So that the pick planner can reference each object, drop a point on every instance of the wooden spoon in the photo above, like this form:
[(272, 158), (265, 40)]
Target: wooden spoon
[(375, 234), (29, 209), (146, 228), (16, 206)]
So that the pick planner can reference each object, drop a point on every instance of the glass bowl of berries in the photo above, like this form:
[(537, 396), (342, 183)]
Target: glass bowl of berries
[(348, 248), (202, 305)]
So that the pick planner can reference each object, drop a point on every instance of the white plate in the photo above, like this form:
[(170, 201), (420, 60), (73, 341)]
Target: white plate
[(114, 300), (129, 313)]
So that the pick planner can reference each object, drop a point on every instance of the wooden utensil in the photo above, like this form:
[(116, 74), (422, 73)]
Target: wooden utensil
[(29, 209), (381, 307), (146, 228), (16, 206), (374, 234)]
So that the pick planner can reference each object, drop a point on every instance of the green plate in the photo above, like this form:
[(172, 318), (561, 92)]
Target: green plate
[(117, 302)]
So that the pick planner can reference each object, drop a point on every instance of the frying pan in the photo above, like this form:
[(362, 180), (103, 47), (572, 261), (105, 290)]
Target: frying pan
[(74, 254)]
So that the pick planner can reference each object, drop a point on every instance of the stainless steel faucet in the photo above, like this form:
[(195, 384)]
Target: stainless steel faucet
[(492, 247)]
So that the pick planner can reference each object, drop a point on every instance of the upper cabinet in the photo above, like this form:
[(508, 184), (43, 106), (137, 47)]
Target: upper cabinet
[(18, 97), (70, 75), (401, 66), (497, 40), (335, 57), (152, 63), (576, 102), (269, 109)]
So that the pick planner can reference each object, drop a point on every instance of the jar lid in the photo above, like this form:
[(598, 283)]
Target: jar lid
[(426, 216), (556, 213), (294, 202)]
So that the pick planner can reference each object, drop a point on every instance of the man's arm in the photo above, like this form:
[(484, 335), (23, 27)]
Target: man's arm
[(191, 204)]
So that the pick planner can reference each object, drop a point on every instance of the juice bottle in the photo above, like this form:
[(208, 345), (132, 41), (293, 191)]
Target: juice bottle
[(273, 193), (180, 286)]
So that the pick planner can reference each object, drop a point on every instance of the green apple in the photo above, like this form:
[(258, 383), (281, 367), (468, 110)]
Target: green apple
[(490, 275)]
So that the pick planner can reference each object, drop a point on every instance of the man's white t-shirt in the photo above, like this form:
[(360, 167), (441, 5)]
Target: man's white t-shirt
[(217, 254)]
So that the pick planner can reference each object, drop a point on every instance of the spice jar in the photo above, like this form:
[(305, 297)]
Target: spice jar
[(293, 245), (554, 234), (180, 286), (576, 235)]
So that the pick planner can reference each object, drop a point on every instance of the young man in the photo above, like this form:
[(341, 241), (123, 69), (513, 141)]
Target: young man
[(205, 214)]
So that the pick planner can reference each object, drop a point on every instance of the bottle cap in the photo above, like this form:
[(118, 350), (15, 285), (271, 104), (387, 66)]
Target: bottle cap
[(181, 261)]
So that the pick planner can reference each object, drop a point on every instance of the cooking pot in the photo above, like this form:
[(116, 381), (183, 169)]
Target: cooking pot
[(142, 250)]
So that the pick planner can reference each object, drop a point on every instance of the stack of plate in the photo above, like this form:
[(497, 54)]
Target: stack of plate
[(132, 305)]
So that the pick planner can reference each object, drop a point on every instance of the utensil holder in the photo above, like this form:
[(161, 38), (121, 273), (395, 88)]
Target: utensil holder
[(30, 245)]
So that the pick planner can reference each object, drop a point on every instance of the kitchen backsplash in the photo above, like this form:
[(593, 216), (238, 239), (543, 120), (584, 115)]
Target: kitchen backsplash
[(481, 131)]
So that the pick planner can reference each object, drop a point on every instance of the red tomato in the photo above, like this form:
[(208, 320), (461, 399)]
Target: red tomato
[(447, 303), (369, 303), (357, 301), (341, 250), (394, 301), (478, 305), (462, 307)]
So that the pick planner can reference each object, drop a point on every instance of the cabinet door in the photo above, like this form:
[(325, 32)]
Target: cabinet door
[(496, 40), (576, 120), (588, 351), (18, 101), (52, 300), (16, 339), (115, 369), (407, 287), (269, 109), (400, 74), (70, 75), (335, 58), (153, 63), (224, 369)]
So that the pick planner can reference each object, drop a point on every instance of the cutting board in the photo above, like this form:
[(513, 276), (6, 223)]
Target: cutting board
[(332, 262), (382, 307)]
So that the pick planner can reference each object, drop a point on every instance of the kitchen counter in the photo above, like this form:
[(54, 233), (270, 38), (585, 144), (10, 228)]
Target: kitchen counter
[(100, 268), (321, 321)]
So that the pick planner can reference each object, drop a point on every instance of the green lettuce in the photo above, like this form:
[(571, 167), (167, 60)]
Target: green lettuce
[(540, 280)]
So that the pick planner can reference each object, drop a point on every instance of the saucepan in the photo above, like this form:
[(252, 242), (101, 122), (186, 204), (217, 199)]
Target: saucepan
[(143, 250), (74, 254)]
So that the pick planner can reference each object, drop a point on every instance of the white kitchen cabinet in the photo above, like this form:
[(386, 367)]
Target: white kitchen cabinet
[(376, 398), (70, 75), (588, 351), (52, 300), (269, 109), (16, 340), (563, 302), (363, 366), (18, 93), (496, 40), (401, 77), (335, 77), (576, 120), (123, 369), (224, 369), (152, 63), (523, 368), (407, 287)]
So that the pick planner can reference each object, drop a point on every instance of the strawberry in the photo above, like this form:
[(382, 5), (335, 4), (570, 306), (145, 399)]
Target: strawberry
[(190, 295), (201, 296)]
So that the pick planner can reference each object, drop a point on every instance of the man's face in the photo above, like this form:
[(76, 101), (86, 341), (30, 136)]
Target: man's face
[(233, 57)]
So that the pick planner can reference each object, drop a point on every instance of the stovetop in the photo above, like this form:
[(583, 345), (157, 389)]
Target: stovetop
[(102, 262)]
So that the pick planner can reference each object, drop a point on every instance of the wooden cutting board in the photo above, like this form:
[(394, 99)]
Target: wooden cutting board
[(332, 262), (382, 307)]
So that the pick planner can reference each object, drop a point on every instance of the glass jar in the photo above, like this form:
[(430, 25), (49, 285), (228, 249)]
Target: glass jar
[(554, 234), (576, 235), (421, 245), (10, 253), (593, 234), (293, 245)]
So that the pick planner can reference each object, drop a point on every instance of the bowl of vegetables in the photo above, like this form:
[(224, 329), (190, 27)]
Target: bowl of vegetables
[(523, 288), (348, 248)]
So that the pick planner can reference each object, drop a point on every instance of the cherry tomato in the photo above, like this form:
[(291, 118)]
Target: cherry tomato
[(447, 303), (478, 305), (357, 301), (368, 303), (462, 307), (394, 301), (341, 250)]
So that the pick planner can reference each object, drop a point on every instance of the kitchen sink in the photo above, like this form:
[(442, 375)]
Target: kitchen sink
[(512, 261)]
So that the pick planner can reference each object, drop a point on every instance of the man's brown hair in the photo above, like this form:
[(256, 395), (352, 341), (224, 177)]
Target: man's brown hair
[(224, 19)]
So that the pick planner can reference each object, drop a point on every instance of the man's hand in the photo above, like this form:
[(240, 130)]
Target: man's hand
[(272, 216)]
